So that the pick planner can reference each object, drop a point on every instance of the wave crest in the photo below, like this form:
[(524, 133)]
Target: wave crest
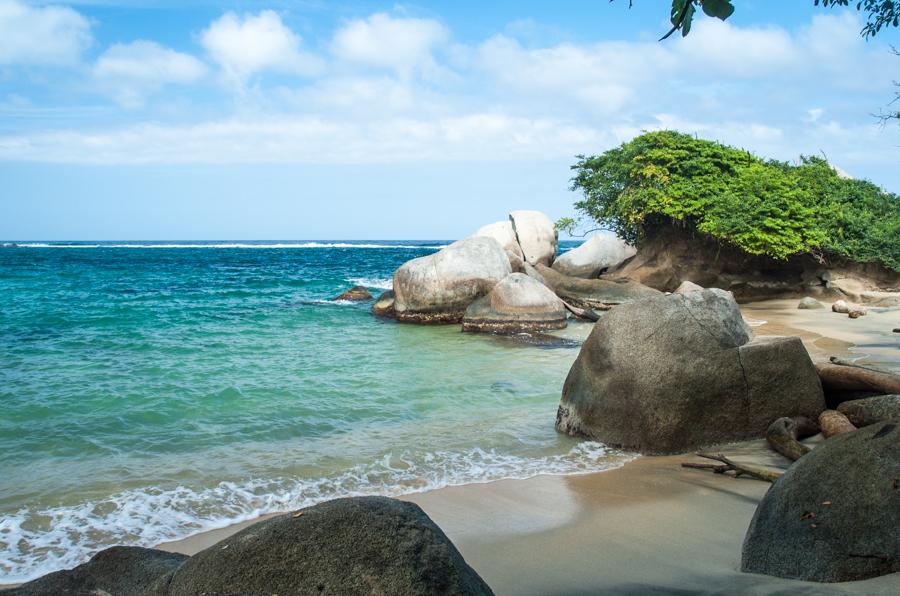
[(36, 542)]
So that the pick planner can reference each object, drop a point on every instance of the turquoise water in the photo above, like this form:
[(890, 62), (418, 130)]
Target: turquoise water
[(151, 391)]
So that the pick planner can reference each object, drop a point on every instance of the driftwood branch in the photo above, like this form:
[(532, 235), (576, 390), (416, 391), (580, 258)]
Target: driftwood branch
[(783, 436), (582, 313), (834, 423), (726, 465)]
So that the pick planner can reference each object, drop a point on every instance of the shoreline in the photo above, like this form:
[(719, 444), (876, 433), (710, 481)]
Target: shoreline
[(645, 526)]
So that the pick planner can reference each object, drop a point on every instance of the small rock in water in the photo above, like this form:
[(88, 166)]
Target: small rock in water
[(810, 303), (356, 293), (857, 312), (840, 306), (384, 306)]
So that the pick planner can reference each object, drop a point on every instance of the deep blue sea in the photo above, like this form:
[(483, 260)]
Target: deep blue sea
[(150, 390)]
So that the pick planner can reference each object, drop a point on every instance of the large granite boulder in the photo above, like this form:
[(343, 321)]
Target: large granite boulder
[(591, 293), (676, 372), (438, 288), (594, 255), (503, 232), (536, 235), (363, 545), (518, 303), (116, 571), (834, 515)]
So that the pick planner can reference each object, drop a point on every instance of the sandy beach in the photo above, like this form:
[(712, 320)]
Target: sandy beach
[(651, 526)]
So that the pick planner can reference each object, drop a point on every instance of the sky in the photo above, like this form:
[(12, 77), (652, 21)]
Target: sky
[(194, 119)]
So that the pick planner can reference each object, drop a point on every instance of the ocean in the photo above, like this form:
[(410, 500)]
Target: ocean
[(153, 390)]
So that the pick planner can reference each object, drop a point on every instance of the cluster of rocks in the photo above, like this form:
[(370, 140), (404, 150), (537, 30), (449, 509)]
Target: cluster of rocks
[(854, 311), (678, 372), (506, 278), (362, 545)]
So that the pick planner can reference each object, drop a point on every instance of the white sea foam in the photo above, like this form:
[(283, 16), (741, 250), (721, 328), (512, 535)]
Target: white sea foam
[(36, 542), (385, 283), (334, 302), (231, 245)]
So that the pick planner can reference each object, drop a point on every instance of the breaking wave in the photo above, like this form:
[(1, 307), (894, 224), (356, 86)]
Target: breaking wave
[(36, 542)]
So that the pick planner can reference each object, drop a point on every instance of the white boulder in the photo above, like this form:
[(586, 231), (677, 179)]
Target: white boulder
[(503, 232), (537, 236), (438, 288), (599, 252)]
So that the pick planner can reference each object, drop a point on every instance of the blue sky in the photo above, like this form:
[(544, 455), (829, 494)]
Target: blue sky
[(323, 120)]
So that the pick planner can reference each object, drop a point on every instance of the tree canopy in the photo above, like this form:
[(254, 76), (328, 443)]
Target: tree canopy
[(764, 207), (879, 13)]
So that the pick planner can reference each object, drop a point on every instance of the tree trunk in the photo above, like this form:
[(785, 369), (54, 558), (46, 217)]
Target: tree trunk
[(834, 423), (840, 377)]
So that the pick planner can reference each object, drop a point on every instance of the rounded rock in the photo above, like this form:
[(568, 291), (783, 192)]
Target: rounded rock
[(518, 303), (362, 545), (833, 516), (438, 288), (595, 255)]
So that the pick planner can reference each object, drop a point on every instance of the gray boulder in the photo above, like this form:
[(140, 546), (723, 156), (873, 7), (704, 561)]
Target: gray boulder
[(834, 515), (363, 545), (518, 303), (810, 303), (594, 255), (116, 571), (871, 410), (592, 293), (503, 232), (536, 235), (438, 288), (676, 372), (686, 287)]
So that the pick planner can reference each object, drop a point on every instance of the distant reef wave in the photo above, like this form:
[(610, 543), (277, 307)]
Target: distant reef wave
[(222, 245)]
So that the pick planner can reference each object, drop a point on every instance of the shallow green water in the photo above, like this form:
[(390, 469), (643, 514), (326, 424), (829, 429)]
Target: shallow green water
[(147, 393)]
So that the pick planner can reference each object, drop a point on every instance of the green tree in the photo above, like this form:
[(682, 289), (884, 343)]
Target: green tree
[(764, 207), (879, 13)]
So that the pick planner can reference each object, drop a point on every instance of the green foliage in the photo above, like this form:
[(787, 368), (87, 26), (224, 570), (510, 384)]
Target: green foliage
[(879, 13), (764, 207)]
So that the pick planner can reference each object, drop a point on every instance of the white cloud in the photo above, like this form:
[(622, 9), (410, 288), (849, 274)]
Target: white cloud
[(769, 89), (400, 44), (311, 139), (129, 71), (246, 45), (51, 35), (603, 76)]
